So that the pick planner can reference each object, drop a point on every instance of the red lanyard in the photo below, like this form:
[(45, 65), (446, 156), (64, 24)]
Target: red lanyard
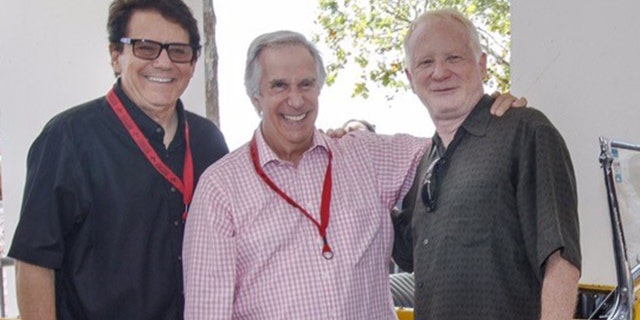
[(185, 186), (324, 205)]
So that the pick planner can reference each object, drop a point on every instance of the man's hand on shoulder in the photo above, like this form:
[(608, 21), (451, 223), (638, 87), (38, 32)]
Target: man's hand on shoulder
[(336, 133), (505, 101)]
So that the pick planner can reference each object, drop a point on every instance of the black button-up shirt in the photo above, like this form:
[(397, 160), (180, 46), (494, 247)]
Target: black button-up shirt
[(98, 213)]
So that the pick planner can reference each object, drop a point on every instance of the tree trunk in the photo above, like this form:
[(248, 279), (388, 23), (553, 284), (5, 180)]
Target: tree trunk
[(210, 62)]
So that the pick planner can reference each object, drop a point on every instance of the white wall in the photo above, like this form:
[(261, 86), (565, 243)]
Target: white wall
[(578, 61)]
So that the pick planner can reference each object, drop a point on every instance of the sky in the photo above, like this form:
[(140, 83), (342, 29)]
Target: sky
[(238, 120)]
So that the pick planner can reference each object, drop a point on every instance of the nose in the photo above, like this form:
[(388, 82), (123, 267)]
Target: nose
[(440, 70), (295, 99), (163, 59)]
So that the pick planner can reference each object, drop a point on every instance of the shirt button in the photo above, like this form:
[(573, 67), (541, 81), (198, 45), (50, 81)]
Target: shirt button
[(179, 258), (176, 223), (173, 189), (159, 130), (420, 284), (425, 242)]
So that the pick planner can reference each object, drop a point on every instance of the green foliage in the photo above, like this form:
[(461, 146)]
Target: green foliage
[(368, 34)]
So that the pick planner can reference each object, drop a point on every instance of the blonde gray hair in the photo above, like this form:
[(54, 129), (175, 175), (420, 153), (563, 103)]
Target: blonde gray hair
[(445, 14)]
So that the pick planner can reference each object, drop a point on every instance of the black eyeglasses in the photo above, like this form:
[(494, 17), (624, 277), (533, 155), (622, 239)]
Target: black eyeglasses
[(429, 186), (150, 50)]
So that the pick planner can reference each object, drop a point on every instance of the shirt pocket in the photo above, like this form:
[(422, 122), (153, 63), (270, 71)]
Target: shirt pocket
[(470, 222)]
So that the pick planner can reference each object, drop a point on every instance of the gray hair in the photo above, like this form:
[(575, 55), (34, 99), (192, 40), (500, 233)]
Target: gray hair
[(445, 14), (253, 69)]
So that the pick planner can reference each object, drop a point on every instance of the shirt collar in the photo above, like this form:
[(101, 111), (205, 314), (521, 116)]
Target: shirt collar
[(475, 124), (478, 120), (319, 144)]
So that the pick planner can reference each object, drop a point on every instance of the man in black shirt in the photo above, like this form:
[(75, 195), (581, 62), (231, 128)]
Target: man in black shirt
[(109, 182)]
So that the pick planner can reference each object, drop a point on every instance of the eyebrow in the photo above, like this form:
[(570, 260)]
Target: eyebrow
[(311, 79), (280, 81)]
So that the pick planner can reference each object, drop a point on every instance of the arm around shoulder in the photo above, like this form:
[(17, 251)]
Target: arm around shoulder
[(35, 287)]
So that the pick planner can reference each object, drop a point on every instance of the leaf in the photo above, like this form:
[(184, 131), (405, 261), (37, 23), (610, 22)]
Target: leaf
[(368, 35)]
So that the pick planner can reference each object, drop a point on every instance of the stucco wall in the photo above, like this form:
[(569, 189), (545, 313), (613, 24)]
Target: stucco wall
[(578, 62)]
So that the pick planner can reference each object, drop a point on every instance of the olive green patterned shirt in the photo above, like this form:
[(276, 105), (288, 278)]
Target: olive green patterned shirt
[(504, 198)]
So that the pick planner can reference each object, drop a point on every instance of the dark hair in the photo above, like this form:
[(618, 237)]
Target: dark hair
[(177, 11)]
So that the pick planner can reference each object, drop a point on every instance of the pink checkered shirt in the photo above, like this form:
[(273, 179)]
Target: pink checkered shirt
[(248, 254)]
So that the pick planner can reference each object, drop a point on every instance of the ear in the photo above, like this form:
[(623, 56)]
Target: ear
[(115, 62), (256, 104), (482, 64), (193, 70), (410, 78), (193, 67)]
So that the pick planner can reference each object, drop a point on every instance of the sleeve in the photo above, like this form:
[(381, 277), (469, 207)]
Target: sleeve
[(209, 254), (219, 144), (547, 198), (395, 159), (55, 201)]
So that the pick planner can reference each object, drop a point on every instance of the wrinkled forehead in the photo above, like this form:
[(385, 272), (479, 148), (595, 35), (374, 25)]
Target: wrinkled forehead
[(287, 61), (281, 51)]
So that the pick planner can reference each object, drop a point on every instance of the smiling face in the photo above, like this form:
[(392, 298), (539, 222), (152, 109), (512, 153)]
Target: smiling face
[(153, 85), (288, 99), (444, 71)]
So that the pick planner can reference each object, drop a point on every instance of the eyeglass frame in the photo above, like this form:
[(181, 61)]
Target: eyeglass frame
[(195, 49)]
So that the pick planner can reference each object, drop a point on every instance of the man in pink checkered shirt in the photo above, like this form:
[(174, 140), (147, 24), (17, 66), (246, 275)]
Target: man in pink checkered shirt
[(295, 224)]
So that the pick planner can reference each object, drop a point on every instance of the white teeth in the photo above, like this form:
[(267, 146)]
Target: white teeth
[(161, 80), (295, 118)]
